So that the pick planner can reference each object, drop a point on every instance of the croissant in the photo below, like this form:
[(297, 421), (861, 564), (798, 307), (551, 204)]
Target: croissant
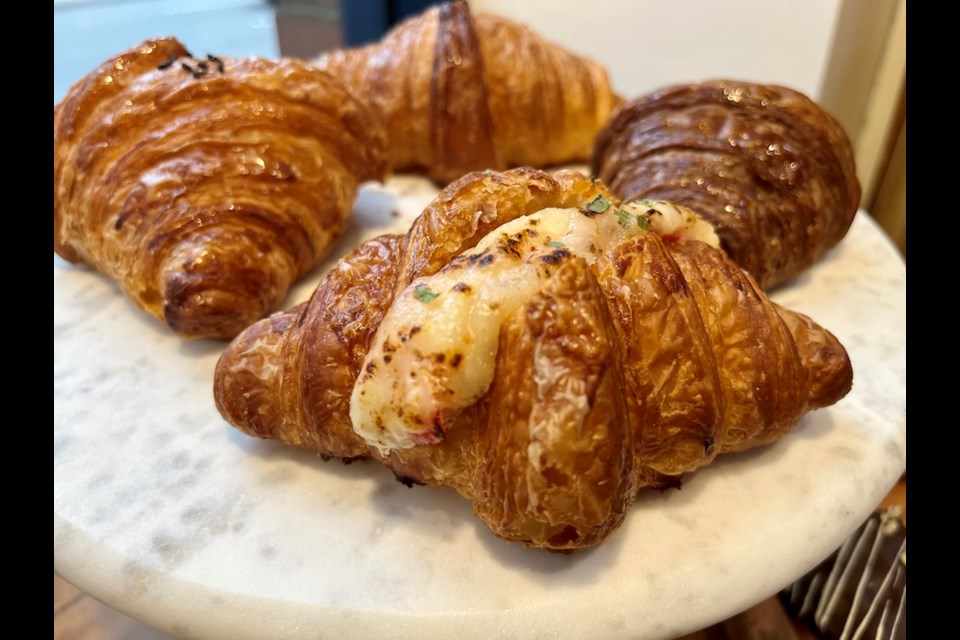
[(768, 167), (460, 93), (540, 347), (205, 187)]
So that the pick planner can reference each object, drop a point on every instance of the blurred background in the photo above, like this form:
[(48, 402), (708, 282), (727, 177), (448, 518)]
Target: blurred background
[(849, 55)]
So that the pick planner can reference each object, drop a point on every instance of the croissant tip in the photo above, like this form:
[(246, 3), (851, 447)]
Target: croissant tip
[(208, 314), (240, 384), (832, 386)]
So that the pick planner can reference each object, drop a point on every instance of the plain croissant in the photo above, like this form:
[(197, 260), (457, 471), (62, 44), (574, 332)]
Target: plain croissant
[(540, 347), (768, 167), (205, 187), (460, 93)]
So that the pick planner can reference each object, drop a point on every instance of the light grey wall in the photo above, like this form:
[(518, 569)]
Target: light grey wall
[(647, 44)]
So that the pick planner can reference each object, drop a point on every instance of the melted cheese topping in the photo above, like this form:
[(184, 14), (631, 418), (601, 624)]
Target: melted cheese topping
[(435, 351)]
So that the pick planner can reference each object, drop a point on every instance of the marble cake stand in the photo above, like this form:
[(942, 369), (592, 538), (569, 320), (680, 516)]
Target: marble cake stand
[(164, 512)]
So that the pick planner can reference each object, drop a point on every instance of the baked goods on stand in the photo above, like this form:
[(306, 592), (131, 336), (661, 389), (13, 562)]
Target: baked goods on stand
[(206, 186), (765, 164), (460, 92), (542, 347)]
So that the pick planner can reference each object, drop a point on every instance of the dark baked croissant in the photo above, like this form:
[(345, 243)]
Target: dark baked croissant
[(205, 187), (539, 347), (460, 93), (767, 166)]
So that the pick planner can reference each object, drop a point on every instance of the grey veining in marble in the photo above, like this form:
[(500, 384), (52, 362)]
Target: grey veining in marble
[(163, 511)]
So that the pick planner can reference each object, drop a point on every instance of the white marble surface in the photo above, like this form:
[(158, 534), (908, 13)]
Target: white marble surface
[(166, 513)]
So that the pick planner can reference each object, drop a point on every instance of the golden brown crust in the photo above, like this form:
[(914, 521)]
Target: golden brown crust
[(569, 481), (615, 376), (461, 93), (289, 377), (771, 169), (205, 192)]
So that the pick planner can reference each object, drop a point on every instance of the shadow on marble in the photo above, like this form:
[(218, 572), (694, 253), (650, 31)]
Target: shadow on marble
[(410, 506), (815, 425), (153, 328)]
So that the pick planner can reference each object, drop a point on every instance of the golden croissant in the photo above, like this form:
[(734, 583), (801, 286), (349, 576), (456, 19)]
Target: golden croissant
[(766, 165), (205, 187), (539, 346), (460, 93)]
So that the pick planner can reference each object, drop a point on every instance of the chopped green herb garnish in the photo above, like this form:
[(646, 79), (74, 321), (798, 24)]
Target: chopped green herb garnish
[(647, 202), (488, 171), (599, 204), (424, 294), (643, 222), (555, 244), (623, 218)]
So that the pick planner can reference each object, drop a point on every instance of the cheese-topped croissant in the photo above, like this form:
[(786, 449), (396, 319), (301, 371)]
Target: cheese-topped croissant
[(539, 346), (460, 93), (765, 164), (205, 187)]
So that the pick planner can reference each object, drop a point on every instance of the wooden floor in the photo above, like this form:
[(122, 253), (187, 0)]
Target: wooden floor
[(85, 34), (77, 616)]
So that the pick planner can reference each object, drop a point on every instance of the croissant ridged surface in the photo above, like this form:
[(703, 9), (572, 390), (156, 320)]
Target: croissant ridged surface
[(206, 187), (460, 93), (766, 165), (623, 370)]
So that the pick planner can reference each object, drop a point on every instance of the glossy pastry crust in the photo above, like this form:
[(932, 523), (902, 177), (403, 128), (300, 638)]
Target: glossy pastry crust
[(462, 93), (766, 165), (205, 187), (616, 375)]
